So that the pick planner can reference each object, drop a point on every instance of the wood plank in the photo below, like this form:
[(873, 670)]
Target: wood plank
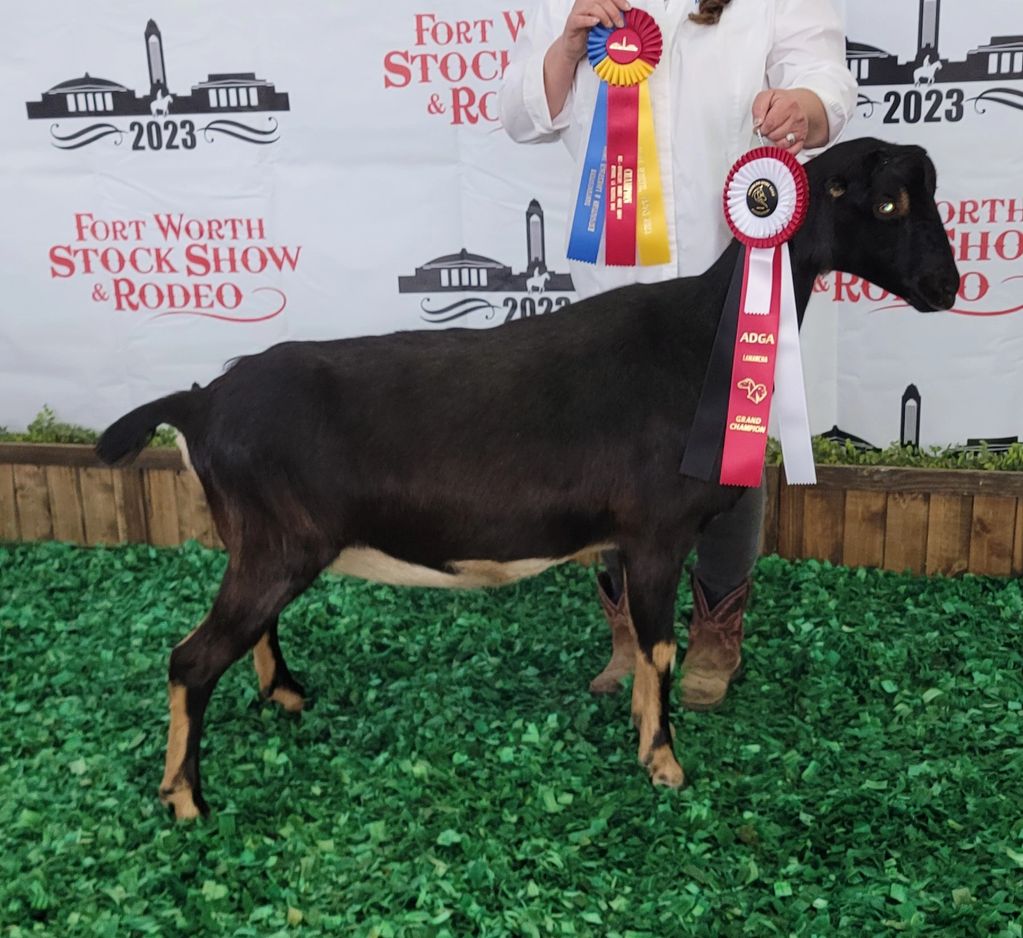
[(194, 519), (864, 535), (65, 504), (73, 454), (790, 520), (948, 534), (1017, 550), (922, 481), (769, 539), (131, 506), (8, 505), (32, 497), (161, 508), (99, 506), (823, 523), (906, 533), (992, 536)]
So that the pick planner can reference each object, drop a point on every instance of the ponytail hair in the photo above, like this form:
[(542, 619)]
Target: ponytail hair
[(710, 12)]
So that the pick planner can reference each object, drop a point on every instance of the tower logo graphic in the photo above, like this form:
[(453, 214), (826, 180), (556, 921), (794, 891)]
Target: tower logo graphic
[(101, 100), (453, 282), (934, 77)]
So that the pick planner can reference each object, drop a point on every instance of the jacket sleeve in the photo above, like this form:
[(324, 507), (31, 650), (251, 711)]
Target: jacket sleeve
[(809, 52), (522, 100)]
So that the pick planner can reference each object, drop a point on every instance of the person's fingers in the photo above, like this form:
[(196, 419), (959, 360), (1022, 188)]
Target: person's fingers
[(780, 112), (582, 21), (761, 105), (613, 12), (606, 11), (796, 126)]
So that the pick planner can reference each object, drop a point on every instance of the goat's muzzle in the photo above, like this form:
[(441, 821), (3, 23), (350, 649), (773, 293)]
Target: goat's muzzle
[(932, 294)]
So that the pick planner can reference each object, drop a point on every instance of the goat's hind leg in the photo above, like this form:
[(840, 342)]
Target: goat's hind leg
[(652, 583), (252, 594), (276, 682)]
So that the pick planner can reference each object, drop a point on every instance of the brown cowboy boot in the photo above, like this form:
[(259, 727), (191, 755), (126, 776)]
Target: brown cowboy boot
[(623, 640), (713, 657)]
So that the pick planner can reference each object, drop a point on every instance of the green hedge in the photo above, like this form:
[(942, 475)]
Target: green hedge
[(46, 428)]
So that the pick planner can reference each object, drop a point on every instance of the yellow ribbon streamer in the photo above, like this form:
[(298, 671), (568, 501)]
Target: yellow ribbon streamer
[(651, 225)]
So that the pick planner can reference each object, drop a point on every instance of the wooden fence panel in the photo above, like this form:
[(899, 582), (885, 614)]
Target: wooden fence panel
[(1017, 550), (131, 507), (994, 529), (99, 506), (948, 534), (65, 504), (864, 535), (194, 519), (33, 500), (790, 520), (823, 523), (161, 508), (906, 533), (8, 505), (944, 521)]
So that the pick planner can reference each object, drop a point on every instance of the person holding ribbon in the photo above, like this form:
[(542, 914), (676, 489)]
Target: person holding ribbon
[(655, 100)]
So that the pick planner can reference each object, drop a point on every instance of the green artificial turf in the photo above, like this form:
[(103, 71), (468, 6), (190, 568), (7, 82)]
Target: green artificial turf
[(454, 777)]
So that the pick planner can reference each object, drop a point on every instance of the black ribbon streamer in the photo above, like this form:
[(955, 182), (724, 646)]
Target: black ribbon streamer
[(706, 439)]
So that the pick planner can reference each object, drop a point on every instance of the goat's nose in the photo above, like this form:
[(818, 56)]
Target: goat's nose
[(948, 291)]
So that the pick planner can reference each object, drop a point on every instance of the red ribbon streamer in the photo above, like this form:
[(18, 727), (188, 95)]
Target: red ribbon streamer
[(749, 401), (622, 162)]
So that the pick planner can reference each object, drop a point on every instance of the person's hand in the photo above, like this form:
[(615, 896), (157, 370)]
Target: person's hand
[(783, 118), (584, 16)]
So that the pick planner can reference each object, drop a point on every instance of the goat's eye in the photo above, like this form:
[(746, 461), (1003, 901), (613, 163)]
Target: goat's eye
[(886, 208)]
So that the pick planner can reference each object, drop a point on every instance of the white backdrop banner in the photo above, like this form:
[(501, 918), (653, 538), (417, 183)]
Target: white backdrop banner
[(183, 184)]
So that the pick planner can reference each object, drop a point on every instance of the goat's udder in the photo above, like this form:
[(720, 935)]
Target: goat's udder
[(370, 564)]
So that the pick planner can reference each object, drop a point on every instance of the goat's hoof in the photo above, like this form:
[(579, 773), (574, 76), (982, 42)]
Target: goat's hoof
[(665, 772), (290, 700), (605, 683), (288, 694), (183, 803)]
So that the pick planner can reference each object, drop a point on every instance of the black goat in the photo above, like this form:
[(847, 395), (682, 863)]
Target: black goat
[(456, 458)]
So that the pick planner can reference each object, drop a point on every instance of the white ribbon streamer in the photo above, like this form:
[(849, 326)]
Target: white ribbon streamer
[(789, 389), (760, 281)]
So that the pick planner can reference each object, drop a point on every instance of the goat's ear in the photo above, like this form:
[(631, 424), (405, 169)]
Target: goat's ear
[(836, 187)]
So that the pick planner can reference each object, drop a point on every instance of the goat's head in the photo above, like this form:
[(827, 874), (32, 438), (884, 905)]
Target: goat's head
[(872, 213)]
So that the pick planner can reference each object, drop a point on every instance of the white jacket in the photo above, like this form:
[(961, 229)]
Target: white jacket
[(702, 91)]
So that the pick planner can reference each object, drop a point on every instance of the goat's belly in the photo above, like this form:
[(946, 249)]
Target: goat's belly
[(370, 564)]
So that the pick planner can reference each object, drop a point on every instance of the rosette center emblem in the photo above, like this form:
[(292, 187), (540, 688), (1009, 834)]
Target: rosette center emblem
[(766, 197), (628, 55), (623, 46), (762, 198)]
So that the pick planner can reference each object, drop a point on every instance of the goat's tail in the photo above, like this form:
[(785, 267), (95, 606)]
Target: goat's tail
[(125, 438)]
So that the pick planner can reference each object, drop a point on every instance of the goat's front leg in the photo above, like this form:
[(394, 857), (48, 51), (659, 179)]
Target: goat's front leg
[(652, 583)]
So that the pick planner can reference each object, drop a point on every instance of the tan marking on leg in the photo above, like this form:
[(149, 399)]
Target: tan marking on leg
[(288, 699), (174, 790), (664, 656), (263, 659), (646, 708), (645, 704)]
